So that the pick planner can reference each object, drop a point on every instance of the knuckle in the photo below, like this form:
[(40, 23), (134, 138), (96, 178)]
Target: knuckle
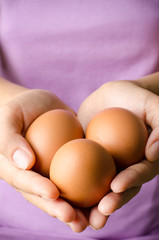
[(16, 178), (28, 197)]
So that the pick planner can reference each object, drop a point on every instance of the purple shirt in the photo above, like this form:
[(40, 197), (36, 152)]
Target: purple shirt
[(71, 48)]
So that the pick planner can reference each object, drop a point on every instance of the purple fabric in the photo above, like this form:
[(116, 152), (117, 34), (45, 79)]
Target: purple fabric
[(71, 48)]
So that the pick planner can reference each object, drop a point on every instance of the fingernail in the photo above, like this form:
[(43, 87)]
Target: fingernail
[(21, 159), (60, 218), (153, 151), (63, 220), (93, 228)]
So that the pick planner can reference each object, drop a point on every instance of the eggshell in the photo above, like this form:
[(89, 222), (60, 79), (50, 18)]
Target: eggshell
[(48, 133), (122, 133), (82, 170)]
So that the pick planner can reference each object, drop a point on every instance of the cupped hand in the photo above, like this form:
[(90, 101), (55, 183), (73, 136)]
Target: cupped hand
[(145, 104), (17, 157)]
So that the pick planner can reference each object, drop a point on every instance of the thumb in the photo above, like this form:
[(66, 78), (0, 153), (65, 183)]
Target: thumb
[(12, 144), (152, 118), (18, 151), (21, 153)]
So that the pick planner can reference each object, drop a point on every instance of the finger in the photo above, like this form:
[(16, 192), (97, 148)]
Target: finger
[(152, 119), (56, 208), (80, 223), (113, 201), (135, 175), (97, 220), (27, 181)]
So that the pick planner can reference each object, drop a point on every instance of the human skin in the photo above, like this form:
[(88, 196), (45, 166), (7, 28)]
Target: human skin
[(19, 107), (141, 97), (22, 106)]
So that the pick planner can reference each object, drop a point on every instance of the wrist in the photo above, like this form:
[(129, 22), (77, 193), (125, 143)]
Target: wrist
[(9, 90), (150, 82)]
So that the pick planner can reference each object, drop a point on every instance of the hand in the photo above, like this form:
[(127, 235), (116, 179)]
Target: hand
[(16, 154), (129, 95)]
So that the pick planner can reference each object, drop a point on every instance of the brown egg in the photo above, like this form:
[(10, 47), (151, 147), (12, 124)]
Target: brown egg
[(82, 170), (122, 133), (48, 133)]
